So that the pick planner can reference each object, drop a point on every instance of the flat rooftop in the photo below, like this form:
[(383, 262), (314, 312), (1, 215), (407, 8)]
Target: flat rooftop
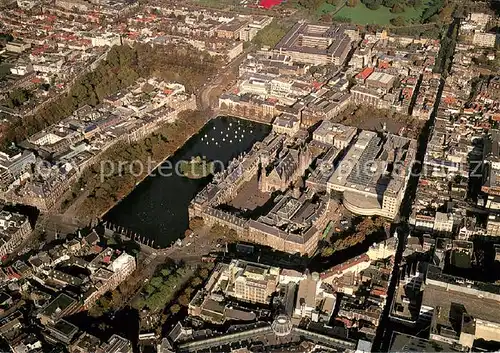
[(315, 39), (402, 342), (449, 301), (376, 164), (60, 303)]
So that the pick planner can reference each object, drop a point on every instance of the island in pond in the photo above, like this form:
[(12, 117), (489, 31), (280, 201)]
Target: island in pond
[(196, 168)]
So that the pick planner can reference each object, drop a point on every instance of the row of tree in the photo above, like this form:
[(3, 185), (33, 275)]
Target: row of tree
[(314, 5), (445, 55), (363, 229), (392, 4), (113, 74), (122, 67), (184, 298), (106, 187), (271, 34), (163, 287)]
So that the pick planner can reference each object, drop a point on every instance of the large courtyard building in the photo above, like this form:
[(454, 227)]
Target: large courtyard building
[(314, 44), (374, 173), (295, 221), (460, 313), (370, 170)]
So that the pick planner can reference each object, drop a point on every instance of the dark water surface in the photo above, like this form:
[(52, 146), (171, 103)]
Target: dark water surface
[(157, 208)]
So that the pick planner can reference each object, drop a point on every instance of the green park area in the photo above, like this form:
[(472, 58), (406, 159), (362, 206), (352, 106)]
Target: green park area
[(374, 12), (363, 15), (218, 4), (360, 14)]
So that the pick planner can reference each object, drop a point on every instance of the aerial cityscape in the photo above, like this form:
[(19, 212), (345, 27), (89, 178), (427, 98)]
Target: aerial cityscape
[(249, 176)]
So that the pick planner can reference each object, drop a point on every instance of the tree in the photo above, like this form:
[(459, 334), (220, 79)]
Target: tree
[(174, 309), (18, 97), (352, 3), (327, 251), (196, 281), (271, 34), (184, 300), (166, 272), (104, 302), (116, 297), (326, 18), (398, 21), (373, 28), (398, 8), (103, 326), (372, 4), (311, 5), (149, 289), (156, 282), (390, 3)]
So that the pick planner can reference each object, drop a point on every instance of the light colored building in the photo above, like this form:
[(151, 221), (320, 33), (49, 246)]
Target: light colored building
[(443, 223), (17, 46), (306, 298), (369, 96), (338, 135), (374, 173), (280, 87), (254, 85), (109, 277), (252, 282), (13, 166), (106, 40), (493, 225), (486, 40), (286, 124), (480, 19), (14, 229)]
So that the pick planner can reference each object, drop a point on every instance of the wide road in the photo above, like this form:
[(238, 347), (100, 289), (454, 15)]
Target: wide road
[(224, 80)]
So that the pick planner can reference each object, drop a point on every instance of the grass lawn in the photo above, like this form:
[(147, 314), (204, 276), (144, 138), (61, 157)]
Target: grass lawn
[(363, 15), (325, 8), (218, 4)]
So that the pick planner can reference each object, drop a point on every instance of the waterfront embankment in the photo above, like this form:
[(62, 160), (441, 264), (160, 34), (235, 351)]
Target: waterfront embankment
[(121, 168), (157, 208)]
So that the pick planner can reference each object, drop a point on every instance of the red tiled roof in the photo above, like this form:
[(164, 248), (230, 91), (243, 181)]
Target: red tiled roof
[(345, 265), (365, 73), (267, 4)]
